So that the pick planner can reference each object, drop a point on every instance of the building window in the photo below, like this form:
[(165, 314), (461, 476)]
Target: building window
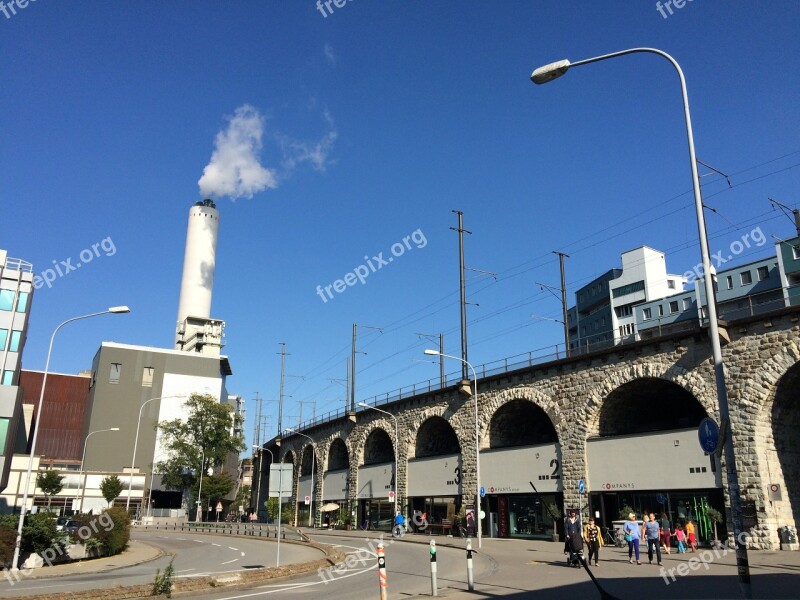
[(660, 310), (116, 370), (16, 336), (4, 423), (671, 284), (687, 303), (6, 299), (747, 277), (583, 330), (3, 339), (729, 282), (8, 378), (580, 298), (648, 313), (22, 302), (673, 307), (763, 273), (147, 377), (796, 252)]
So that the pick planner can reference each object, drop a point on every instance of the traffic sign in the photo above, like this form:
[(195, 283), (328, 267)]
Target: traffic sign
[(219, 506), (708, 434), (483, 492), (391, 496), (581, 486), (308, 500)]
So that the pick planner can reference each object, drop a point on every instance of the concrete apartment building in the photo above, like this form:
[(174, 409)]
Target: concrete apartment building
[(16, 294)]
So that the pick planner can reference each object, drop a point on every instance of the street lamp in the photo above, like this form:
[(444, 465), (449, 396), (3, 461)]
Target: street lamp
[(197, 516), (557, 69), (112, 310), (260, 469), (396, 449), (431, 352), (313, 468), (83, 459), (136, 442)]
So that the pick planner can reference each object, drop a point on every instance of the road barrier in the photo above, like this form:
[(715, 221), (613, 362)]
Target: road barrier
[(434, 583), (470, 580), (382, 581)]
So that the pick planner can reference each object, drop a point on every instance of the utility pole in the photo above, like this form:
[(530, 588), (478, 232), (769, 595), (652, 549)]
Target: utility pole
[(280, 397), (561, 257), (257, 428), (795, 212), (441, 353), (463, 289), (353, 365)]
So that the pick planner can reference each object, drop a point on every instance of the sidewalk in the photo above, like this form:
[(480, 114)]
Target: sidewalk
[(522, 569), (136, 553)]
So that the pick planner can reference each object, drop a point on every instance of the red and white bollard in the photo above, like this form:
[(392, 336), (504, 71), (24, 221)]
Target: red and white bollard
[(382, 581)]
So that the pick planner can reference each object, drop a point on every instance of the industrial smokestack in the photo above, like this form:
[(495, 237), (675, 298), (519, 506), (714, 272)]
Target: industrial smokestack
[(197, 282)]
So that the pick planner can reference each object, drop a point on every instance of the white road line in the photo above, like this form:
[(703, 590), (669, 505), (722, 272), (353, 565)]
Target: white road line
[(213, 544), (232, 548), (229, 561), (199, 541)]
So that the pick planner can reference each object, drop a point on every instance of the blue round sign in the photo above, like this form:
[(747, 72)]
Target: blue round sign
[(708, 433), (483, 491), (581, 486)]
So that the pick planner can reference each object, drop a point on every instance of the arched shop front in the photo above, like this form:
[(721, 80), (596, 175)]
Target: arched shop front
[(305, 493), (523, 449), (434, 474), (335, 481), (375, 481), (647, 458)]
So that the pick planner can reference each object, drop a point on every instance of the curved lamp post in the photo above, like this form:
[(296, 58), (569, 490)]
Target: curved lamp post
[(136, 443), (112, 310), (83, 459), (557, 69), (313, 468), (259, 449), (396, 449), (431, 352)]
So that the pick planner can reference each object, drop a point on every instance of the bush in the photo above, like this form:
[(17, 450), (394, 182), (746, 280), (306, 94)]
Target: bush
[(112, 529), (162, 584), (8, 540), (39, 533)]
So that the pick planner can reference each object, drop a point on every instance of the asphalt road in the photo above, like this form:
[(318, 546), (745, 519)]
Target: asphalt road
[(407, 566), (195, 556)]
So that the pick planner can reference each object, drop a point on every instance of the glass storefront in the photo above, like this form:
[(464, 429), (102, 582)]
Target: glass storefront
[(379, 513), (436, 509), (679, 506), (523, 515)]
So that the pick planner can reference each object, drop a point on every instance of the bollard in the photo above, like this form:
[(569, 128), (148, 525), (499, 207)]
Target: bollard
[(434, 583), (382, 582), (470, 580)]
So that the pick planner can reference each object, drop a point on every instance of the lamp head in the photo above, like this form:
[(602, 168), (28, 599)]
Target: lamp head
[(549, 72), (119, 309), (114, 429), (431, 352), (364, 404)]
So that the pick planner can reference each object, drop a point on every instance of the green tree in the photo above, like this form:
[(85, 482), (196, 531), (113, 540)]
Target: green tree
[(201, 441), (242, 497), (51, 482), (216, 487), (271, 505), (111, 487)]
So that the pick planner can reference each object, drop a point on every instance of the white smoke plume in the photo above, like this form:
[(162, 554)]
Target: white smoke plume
[(296, 152), (234, 169)]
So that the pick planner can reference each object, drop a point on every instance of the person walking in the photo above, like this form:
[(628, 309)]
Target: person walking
[(690, 535), (680, 537), (593, 538), (632, 533), (653, 535), (666, 532), (572, 527)]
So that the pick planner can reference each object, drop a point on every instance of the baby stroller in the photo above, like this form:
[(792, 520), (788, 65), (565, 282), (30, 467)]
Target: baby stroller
[(575, 546)]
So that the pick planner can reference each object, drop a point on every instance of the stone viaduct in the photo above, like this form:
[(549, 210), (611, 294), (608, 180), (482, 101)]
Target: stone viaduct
[(663, 382)]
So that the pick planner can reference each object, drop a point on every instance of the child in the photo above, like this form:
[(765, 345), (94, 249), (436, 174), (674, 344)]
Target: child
[(691, 535), (680, 537)]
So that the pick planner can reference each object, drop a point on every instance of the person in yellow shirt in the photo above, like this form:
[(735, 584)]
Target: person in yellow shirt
[(594, 539), (690, 535)]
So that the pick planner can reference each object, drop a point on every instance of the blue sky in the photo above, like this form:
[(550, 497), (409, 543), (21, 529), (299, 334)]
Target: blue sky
[(377, 121)]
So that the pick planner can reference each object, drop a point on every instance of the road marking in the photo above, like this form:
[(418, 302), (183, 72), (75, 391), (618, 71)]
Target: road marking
[(229, 561), (218, 545), (199, 541), (232, 548)]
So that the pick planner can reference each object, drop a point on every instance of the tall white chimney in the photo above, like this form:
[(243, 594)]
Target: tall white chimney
[(197, 283)]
